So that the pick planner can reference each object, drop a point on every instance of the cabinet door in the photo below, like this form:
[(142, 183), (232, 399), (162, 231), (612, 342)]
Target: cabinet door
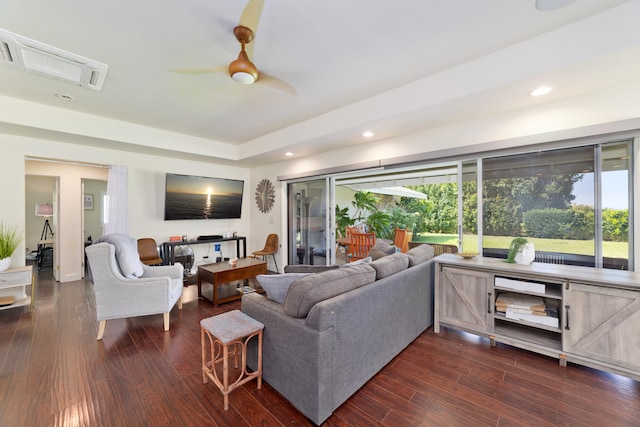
[(465, 299), (603, 324)]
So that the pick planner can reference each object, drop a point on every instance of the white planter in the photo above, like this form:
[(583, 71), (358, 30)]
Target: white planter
[(5, 263), (526, 254)]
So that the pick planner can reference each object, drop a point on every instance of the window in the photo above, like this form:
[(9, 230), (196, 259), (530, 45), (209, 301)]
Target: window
[(553, 199)]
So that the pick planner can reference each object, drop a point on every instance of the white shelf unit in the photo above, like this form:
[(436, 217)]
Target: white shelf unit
[(14, 282)]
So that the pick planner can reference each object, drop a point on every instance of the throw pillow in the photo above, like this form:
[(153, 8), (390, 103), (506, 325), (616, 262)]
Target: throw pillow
[(420, 254), (380, 249), (390, 264), (126, 254), (366, 260), (277, 285)]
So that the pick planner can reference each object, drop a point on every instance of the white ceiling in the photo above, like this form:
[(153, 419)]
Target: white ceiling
[(391, 67)]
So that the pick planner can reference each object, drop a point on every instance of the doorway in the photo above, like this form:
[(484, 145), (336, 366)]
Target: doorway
[(61, 184)]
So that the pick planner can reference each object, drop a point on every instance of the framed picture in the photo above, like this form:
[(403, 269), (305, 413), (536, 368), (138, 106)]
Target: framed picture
[(88, 201)]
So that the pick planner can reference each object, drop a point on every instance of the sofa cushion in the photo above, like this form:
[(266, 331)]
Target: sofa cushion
[(306, 292), (380, 249), (390, 264), (277, 285), (126, 254), (305, 268), (420, 254)]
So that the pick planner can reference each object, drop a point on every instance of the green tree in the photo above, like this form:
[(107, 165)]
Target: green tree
[(615, 225), (470, 207), (506, 199), (363, 202), (439, 212)]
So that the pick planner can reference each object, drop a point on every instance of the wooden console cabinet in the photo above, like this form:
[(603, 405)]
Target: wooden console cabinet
[(598, 309)]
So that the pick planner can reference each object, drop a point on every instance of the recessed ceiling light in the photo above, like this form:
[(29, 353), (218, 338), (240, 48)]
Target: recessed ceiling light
[(64, 97), (367, 134), (288, 154), (542, 90)]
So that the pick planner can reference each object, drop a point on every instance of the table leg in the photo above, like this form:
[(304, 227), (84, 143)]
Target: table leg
[(215, 292)]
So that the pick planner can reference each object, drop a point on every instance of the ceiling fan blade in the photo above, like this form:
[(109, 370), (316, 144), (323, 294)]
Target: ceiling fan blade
[(251, 18), (251, 14), (220, 69), (276, 83)]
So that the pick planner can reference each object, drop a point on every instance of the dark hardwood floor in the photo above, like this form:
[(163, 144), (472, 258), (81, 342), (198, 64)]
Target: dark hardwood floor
[(53, 372)]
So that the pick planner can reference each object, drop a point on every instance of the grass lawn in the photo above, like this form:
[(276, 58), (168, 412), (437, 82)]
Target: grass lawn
[(579, 247)]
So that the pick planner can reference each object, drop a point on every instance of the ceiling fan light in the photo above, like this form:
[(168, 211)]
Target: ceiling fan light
[(243, 78), (242, 70)]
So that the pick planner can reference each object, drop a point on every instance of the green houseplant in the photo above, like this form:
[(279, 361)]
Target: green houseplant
[(515, 246), (10, 239)]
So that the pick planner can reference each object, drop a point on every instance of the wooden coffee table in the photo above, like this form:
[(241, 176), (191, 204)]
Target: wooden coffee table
[(220, 274)]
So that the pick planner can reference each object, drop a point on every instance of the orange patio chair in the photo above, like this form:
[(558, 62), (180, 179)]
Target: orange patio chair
[(360, 245), (402, 239)]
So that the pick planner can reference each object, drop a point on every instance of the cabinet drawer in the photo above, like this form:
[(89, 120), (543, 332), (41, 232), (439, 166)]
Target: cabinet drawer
[(15, 277)]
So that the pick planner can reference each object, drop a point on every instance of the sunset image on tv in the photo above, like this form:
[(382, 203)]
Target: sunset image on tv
[(198, 197)]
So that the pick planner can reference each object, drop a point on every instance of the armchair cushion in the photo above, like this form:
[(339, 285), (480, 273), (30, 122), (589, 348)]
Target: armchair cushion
[(126, 254)]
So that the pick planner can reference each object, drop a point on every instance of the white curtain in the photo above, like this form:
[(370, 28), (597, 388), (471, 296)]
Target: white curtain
[(116, 204)]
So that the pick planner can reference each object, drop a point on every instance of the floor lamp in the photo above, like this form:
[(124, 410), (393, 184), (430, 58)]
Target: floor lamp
[(45, 210)]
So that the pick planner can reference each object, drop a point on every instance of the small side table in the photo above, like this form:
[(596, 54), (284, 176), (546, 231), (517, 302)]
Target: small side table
[(228, 335)]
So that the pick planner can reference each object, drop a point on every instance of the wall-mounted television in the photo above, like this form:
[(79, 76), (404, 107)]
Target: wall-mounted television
[(199, 197)]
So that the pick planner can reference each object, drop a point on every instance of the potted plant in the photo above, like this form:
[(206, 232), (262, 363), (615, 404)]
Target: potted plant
[(10, 239), (521, 251)]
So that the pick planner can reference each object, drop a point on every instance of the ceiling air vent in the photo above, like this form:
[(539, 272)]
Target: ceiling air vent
[(30, 55)]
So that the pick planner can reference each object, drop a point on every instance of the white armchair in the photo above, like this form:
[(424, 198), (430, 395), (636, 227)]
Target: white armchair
[(155, 291)]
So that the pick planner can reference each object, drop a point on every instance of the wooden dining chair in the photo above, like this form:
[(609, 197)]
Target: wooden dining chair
[(402, 239), (360, 245)]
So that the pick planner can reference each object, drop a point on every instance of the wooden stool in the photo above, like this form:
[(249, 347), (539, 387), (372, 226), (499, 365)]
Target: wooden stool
[(228, 335)]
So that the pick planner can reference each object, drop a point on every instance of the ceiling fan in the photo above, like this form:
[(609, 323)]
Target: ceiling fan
[(242, 70)]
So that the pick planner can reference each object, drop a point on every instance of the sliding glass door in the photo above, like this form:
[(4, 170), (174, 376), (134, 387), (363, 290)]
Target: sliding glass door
[(572, 203), (308, 225)]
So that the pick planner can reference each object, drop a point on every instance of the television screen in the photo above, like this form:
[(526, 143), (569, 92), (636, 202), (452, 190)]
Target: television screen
[(199, 197)]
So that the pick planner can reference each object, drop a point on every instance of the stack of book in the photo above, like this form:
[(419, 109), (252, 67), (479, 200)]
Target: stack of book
[(245, 290), (529, 308)]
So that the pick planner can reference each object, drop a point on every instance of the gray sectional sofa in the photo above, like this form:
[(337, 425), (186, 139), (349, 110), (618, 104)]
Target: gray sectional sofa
[(338, 328)]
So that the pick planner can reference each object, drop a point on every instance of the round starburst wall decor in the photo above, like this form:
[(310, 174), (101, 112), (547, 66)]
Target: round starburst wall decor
[(265, 195)]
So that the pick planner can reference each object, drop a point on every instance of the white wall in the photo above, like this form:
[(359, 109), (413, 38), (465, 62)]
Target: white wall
[(146, 194)]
